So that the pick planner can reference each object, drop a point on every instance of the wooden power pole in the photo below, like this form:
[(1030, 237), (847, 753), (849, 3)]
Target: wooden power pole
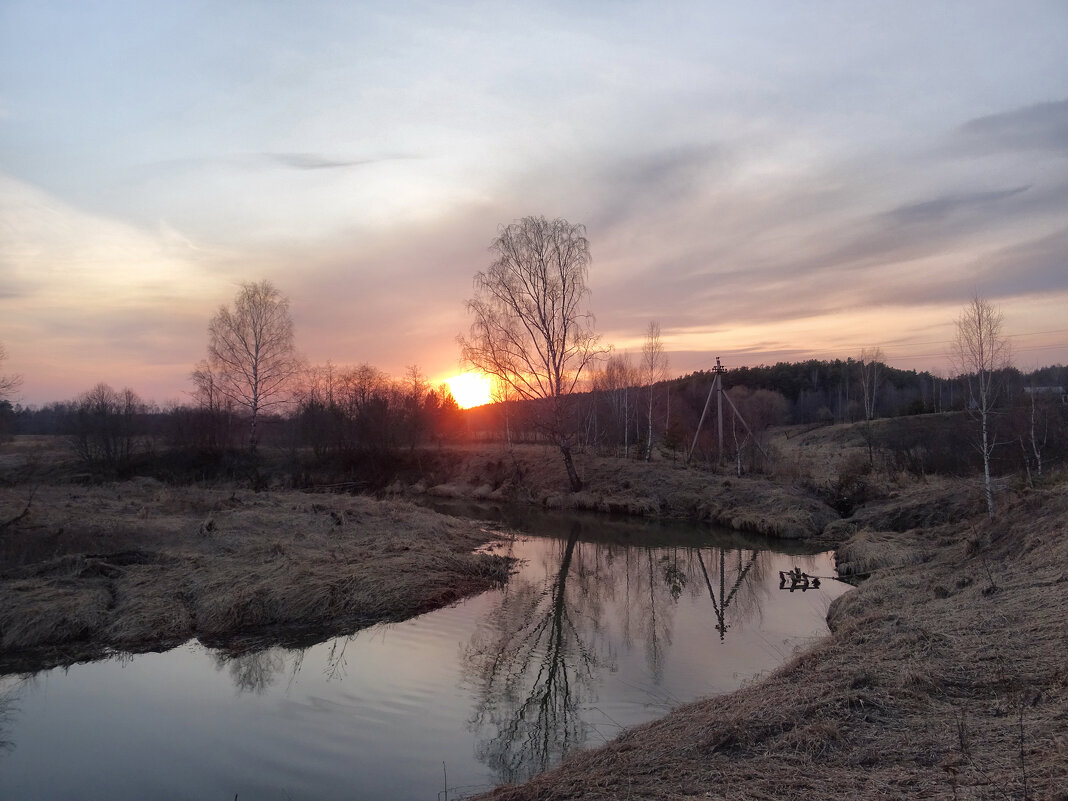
[(717, 385)]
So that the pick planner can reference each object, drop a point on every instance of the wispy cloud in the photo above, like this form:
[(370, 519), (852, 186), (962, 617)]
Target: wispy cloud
[(267, 159), (1043, 126), (315, 161)]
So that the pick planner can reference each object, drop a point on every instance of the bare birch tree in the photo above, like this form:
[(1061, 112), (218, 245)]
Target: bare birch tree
[(532, 329), (251, 351), (654, 370), (869, 362), (980, 352), (617, 382)]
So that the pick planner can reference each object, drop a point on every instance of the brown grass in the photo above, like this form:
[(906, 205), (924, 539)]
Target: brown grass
[(945, 677), (138, 566), (535, 474)]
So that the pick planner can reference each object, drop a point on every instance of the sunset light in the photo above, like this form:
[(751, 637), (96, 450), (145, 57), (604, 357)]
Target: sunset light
[(471, 389), (329, 318)]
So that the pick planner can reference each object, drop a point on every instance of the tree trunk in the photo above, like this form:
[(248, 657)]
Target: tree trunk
[(989, 488), (649, 437), (253, 438), (572, 474)]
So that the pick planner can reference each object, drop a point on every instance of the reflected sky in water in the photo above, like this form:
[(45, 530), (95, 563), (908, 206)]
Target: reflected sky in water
[(595, 632)]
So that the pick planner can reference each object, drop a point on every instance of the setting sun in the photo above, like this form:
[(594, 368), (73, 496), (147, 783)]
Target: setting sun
[(471, 389)]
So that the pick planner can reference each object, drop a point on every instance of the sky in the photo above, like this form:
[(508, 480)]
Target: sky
[(770, 181)]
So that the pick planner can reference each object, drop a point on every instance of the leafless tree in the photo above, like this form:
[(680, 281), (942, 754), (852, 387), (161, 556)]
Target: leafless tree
[(9, 384), (251, 351), (654, 370), (869, 362), (105, 427), (503, 397), (532, 329), (981, 351), (215, 409), (616, 383)]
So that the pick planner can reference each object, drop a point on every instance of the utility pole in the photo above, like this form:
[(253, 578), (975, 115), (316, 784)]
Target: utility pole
[(717, 384), (719, 370)]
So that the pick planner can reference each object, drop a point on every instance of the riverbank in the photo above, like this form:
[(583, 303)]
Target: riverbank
[(944, 677), (88, 568), (534, 474), (141, 566)]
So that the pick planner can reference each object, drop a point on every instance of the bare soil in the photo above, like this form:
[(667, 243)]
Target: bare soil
[(141, 566)]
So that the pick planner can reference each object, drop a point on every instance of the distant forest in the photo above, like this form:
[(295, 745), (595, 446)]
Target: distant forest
[(830, 391), (363, 416)]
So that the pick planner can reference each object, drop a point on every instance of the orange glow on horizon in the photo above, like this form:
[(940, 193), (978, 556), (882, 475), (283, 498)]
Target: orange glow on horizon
[(471, 389)]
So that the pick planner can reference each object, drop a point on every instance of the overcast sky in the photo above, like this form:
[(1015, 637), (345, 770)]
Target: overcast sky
[(768, 180)]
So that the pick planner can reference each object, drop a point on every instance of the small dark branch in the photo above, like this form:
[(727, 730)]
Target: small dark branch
[(26, 510)]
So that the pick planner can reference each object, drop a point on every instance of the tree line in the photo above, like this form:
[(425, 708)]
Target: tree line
[(532, 331)]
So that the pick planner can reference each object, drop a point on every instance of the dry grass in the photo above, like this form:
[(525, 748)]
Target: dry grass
[(139, 565), (535, 474), (945, 677)]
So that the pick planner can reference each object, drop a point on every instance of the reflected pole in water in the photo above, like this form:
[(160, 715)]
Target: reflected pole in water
[(721, 604)]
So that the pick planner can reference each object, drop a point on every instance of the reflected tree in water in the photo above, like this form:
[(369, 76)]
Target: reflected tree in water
[(254, 671), (11, 690), (532, 668), (674, 576), (535, 660)]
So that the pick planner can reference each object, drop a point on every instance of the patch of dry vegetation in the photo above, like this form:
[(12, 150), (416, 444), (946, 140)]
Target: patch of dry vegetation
[(535, 474), (139, 565), (945, 677)]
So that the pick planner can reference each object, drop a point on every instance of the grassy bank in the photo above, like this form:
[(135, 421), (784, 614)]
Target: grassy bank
[(945, 677), (92, 565), (140, 566), (660, 488)]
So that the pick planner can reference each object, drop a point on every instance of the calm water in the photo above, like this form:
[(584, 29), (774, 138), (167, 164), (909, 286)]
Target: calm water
[(604, 625)]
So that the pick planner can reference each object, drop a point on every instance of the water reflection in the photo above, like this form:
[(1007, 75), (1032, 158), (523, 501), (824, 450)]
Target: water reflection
[(605, 626), (536, 660), (252, 672), (10, 690), (256, 672), (747, 604), (532, 661)]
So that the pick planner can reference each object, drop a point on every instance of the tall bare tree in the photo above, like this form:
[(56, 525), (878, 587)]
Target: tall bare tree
[(251, 351), (654, 370), (981, 351), (868, 362), (532, 329), (616, 383)]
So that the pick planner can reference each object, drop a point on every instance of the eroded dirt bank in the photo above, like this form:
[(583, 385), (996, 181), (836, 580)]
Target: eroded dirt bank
[(946, 676), (140, 566)]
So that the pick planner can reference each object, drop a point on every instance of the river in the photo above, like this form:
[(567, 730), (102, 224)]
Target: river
[(605, 624)]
